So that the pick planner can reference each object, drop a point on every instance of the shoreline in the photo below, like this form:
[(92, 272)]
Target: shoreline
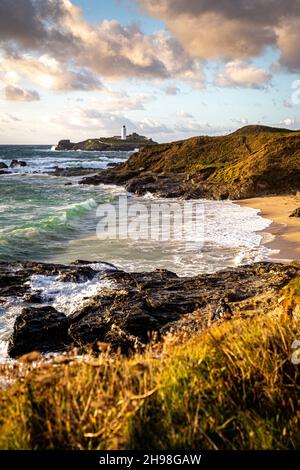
[(283, 235)]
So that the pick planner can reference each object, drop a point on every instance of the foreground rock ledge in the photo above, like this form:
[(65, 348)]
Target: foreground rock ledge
[(136, 306)]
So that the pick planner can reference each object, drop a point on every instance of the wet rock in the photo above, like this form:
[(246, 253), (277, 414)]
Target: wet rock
[(136, 306), (70, 172), (39, 329), (17, 164), (112, 164), (33, 298), (3, 165), (295, 213), (110, 176)]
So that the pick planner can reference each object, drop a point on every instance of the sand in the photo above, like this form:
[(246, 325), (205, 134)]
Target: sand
[(283, 235)]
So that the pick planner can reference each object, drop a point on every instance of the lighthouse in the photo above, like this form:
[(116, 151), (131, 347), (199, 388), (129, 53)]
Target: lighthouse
[(123, 133)]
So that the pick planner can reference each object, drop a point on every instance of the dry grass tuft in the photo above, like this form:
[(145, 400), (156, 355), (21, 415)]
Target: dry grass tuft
[(232, 386)]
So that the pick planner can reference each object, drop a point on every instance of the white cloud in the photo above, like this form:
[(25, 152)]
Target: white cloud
[(48, 73), (114, 101), (150, 126), (183, 114), (239, 73), (288, 122)]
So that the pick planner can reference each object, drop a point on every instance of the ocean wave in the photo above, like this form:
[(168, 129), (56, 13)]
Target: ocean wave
[(67, 297), (58, 220)]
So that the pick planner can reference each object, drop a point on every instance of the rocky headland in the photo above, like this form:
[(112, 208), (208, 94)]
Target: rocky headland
[(130, 309), (253, 161)]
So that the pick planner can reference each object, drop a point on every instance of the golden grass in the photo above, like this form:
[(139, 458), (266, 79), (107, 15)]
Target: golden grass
[(229, 387), (253, 154)]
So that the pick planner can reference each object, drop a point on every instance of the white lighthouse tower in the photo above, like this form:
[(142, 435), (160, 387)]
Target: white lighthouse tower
[(123, 133)]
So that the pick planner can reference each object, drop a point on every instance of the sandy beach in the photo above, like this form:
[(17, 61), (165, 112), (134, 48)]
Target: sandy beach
[(283, 235)]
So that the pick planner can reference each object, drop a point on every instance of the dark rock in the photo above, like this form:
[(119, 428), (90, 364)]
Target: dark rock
[(64, 144), (136, 306), (33, 298), (110, 176), (68, 172), (3, 172), (295, 213), (112, 164), (3, 165), (17, 164), (39, 329)]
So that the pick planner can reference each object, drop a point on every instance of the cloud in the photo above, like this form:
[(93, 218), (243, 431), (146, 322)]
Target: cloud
[(239, 73), (289, 122), (114, 101), (81, 51), (150, 126), (241, 121), (183, 114), (13, 93), (48, 73), (172, 90), (231, 29), (9, 118), (79, 122)]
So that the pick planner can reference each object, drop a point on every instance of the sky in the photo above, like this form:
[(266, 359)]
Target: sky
[(168, 69)]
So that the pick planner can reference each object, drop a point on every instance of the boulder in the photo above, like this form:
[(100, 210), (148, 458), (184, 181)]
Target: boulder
[(39, 329), (3, 165), (17, 164), (112, 164)]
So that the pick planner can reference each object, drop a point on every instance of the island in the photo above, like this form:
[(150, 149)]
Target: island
[(117, 143)]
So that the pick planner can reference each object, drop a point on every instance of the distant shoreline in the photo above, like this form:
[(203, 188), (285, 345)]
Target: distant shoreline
[(284, 230)]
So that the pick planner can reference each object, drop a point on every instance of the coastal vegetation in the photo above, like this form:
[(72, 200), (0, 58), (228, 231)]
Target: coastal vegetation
[(229, 386), (253, 161)]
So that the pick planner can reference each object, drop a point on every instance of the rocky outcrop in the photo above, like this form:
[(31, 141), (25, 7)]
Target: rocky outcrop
[(17, 164), (3, 166), (107, 143), (71, 172), (39, 329), (295, 213), (136, 306)]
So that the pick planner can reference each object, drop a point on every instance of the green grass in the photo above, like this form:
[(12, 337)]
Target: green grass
[(232, 386)]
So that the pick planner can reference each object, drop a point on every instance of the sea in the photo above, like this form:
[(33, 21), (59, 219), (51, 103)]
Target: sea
[(45, 218)]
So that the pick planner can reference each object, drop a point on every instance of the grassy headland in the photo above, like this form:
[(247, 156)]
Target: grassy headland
[(254, 160)]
